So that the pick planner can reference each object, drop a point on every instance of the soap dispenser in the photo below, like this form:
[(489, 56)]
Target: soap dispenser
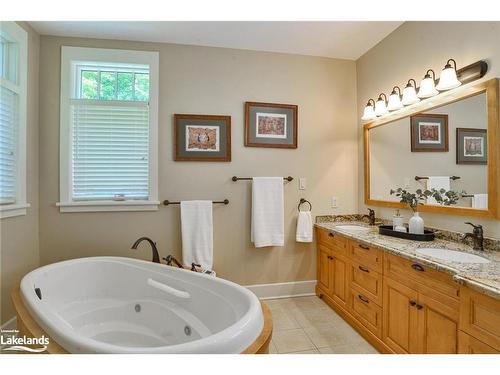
[(398, 222)]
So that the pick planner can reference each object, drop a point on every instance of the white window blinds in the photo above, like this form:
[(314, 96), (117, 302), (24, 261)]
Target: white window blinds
[(110, 150), (9, 117)]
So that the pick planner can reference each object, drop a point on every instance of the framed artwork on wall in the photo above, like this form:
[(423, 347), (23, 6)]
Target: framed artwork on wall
[(472, 146), (271, 125), (429, 133), (202, 137)]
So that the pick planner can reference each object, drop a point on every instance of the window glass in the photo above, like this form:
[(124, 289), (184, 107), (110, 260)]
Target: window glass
[(90, 84), (125, 86), (108, 85)]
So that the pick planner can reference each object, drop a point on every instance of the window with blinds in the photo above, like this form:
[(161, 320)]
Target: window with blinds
[(110, 134), (9, 117), (13, 78)]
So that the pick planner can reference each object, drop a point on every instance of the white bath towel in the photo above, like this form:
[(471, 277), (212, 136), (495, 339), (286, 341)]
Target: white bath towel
[(304, 227), (480, 201), (197, 233), (267, 227), (438, 183)]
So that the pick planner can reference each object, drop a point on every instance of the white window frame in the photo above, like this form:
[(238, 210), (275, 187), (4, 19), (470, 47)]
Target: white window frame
[(70, 58), (19, 36)]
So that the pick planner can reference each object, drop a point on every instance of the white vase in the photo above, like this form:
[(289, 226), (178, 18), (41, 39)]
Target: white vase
[(416, 224)]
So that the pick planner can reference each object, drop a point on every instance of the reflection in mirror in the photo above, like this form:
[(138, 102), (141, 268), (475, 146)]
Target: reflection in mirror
[(441, 143)]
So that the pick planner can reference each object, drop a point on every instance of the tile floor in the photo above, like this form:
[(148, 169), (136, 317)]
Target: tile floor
[(307, 325)]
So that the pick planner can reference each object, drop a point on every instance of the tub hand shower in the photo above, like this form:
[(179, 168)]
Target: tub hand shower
[(168, 289)]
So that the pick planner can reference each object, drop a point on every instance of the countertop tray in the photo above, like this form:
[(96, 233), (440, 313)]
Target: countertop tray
[(388, 231)]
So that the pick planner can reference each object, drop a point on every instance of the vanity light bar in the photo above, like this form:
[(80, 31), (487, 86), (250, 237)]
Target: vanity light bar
[(450, 78)]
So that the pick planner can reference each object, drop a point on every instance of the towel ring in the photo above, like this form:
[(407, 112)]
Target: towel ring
[(302, 200)]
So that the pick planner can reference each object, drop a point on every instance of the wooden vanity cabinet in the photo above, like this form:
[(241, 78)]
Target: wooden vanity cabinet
[(401, 306)]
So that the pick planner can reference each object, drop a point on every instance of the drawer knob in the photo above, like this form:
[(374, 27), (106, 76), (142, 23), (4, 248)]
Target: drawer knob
[(419, 307), (330, 257), (364, 247), (417, 267), (364, 269), (330, 234), (413, 302), (363, 298)]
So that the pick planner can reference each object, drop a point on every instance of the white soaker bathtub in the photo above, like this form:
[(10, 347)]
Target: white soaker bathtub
[(123, 305)]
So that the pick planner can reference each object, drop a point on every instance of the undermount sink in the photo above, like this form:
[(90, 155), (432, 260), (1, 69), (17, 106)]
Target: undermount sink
[(452, 255), (352, 228)]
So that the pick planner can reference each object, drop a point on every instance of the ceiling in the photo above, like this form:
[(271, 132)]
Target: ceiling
[(335, 39)]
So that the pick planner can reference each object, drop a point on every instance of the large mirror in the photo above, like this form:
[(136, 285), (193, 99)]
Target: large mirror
[(449, 142)]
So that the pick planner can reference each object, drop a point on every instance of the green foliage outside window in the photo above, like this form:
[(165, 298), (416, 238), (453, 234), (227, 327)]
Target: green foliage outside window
[(114, 85)]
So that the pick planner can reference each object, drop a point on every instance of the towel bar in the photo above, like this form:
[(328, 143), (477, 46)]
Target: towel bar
[(166, 202), (289, 178), (418, 178)]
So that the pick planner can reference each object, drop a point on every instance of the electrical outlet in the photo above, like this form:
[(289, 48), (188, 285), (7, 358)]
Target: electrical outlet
[(335, 202), (302, 183)]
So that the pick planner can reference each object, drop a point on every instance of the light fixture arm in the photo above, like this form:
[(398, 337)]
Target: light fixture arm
[(380, 97), (371, 103), (427, 75), (394, 91), (414, 83), (448, 65)]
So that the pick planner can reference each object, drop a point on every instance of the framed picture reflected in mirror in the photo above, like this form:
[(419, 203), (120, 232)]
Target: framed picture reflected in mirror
[(429, 132)]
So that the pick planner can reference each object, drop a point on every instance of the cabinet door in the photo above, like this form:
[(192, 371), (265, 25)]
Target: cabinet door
[(324, 274), (438, 326), (400, 323), (338, 269), (470, 345)]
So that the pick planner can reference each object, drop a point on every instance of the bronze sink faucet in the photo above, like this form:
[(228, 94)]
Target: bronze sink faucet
[(370, 216), (476, 235)]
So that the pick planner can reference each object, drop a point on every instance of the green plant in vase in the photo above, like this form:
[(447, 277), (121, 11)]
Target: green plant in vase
[(413, 200)]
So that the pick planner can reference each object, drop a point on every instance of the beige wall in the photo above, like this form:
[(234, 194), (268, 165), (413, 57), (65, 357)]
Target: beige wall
[(392, 161), (216, 81), (407, 53), (19, 235)]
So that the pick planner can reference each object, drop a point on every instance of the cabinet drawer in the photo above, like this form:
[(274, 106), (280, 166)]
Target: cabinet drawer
[(480, 316), (366, 311), (420, 277), (367, 280), (337, 243), (365, 254)]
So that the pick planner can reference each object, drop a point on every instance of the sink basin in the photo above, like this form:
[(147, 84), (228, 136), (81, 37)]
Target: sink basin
[(352, 228), (452, 255)]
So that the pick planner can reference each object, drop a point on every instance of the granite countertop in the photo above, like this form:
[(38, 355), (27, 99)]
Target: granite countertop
[(484, 277)]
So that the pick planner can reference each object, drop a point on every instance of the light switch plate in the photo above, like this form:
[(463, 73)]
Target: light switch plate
[(335, 202), (302, 183)]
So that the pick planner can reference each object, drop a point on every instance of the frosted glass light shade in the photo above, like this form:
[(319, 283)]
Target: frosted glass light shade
[(394, 102), (448, 79), (368, 113), (409, 96), (380, 107), (427, 88)]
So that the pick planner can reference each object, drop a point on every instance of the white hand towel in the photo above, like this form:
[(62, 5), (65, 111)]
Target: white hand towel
[(197, 233), (267, 212), (480, 201), (438, 183), (304, 227)]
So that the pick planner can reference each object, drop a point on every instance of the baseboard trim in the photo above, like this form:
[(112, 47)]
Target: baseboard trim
[(284, 290), (9, 324)]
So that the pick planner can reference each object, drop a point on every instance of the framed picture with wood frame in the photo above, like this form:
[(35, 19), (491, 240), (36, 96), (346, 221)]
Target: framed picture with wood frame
[(202, 138), (429, 132), (472, 146), (271, 125)]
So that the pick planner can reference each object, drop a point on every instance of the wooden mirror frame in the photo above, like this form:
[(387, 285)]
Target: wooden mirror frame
[(489, 87)]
